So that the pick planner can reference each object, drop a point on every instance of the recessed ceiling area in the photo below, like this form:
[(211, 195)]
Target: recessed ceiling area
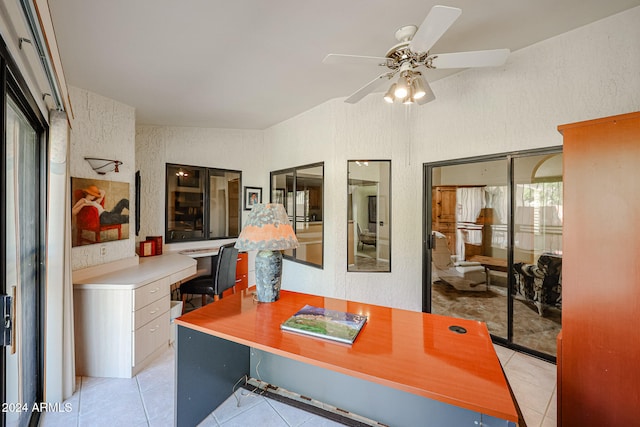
[(251, 64)]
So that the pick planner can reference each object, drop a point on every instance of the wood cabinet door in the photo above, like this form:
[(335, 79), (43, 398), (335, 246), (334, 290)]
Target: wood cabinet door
[(446, 204), (600, 275), (444, 214)]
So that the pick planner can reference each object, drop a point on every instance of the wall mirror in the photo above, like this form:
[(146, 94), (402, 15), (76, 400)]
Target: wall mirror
[(369, 215), (202, 203), (300, 190)]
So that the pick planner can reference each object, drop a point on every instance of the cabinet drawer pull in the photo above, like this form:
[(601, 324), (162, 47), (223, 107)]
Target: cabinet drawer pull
[(152, 330), (154, 291), (238, 280), (154, 311)]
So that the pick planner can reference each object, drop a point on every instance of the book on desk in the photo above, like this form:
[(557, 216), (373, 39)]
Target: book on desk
[(324, 323)]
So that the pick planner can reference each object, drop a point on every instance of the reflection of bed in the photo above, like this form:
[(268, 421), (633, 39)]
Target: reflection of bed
[(88, 220)]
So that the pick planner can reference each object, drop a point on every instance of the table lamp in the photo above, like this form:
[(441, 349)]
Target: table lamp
[(268, 231)]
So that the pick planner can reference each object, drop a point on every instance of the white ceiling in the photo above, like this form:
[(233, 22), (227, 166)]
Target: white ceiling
[(249, 64)]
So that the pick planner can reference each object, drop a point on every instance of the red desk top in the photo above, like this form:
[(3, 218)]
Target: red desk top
[(406, 350)]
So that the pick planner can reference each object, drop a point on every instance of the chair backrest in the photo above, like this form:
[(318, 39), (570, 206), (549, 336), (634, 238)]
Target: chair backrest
[(225, 276), (88, 217)]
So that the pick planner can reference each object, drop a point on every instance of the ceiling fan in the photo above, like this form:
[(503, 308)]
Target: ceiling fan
[(411, 56)]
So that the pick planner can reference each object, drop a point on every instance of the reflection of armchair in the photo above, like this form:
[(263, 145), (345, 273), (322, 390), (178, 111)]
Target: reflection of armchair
[(464, 275), (366, 237), (88, 219), (540, 283)]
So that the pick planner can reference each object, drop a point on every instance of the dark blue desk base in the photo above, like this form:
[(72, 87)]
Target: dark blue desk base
[(207, 368)]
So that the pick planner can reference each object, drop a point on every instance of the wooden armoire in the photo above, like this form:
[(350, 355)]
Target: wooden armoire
[(599, 349), (443, 213)]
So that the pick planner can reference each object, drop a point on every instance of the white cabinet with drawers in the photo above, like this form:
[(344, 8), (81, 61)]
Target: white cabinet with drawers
[(122, 317)]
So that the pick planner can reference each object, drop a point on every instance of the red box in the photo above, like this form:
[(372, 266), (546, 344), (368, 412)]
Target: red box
[(158, 240), (147, 248)]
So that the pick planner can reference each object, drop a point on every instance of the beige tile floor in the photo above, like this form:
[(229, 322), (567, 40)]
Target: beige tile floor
[(147, 399)]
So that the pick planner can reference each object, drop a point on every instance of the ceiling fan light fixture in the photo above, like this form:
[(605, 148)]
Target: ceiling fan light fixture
[(389, 96), (402, 88), (418, 88), (406, 58)]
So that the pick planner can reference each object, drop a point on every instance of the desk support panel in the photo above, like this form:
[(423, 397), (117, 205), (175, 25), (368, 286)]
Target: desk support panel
[(207, 367), (383, 404)]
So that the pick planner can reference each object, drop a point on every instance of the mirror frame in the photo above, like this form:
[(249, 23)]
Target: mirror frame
[(383, 220), (204, 192), (276, 197)]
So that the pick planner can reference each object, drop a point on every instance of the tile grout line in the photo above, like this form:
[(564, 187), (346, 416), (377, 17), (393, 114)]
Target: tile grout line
[(144, 405), (278, 412), (546, 410)]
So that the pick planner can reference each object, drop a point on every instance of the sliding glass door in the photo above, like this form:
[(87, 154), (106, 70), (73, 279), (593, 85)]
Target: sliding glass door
[(493, 245), (537, 252), (22, 249), (468, 242)]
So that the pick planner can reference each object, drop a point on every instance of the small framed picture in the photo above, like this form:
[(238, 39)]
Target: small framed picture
[(252, 196)]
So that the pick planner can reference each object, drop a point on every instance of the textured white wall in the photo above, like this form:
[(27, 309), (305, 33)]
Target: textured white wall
[(103, 128), (156, 146), (216, 148), (587, 73)]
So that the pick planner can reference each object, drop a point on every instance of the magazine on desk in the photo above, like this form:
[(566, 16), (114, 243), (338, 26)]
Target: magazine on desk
[(324, 323)]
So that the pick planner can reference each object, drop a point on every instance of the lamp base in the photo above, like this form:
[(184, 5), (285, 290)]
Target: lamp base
[(268, 275)]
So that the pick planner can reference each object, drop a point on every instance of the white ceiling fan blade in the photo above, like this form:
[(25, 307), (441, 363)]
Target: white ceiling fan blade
[(336, 58), (439, 19), (368, 88), (476, 58)]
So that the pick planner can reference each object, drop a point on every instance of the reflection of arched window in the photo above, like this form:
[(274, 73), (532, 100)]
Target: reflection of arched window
[(549, 169)]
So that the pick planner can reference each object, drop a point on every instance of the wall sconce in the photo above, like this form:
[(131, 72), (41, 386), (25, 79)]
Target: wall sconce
[(102, 166)]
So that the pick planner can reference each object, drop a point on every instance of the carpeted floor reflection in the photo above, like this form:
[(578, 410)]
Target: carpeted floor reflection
[(529, 329)]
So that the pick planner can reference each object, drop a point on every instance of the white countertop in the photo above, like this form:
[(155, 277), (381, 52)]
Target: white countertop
[(175, 266), (200, 252)]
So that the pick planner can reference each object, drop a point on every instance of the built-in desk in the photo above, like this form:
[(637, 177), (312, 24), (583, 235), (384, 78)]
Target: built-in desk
[(405, 368), (121, 318)]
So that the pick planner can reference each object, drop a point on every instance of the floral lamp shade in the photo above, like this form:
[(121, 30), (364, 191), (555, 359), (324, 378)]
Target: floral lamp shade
[(267, 228), (268, 231)]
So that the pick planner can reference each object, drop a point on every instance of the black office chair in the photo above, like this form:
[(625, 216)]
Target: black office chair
[(223, 277)]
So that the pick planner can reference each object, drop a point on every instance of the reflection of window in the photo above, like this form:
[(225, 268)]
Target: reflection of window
[(301, 190), (202, 203), (538, 216)]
